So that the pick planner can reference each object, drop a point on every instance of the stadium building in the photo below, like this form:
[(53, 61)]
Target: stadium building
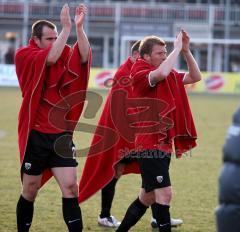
[(112, 26)]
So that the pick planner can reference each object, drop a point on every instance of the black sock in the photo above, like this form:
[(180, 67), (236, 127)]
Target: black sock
[(72, 214), (24, 214), (135, 211), (107, 198), (162, 215), (154, 213)]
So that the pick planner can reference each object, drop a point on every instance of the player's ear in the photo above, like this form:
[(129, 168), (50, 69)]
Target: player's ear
[(37, 41), (146, 57), (135, 54)]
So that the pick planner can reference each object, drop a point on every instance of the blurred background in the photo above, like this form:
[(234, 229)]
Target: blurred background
[(214, 27), (112, 27)]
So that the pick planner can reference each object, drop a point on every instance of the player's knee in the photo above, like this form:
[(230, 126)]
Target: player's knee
[(147, 199), (70, 189), (30, 191), (168, 195), (164, 195)]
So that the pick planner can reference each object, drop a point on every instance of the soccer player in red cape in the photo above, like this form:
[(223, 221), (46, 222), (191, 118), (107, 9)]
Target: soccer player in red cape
[(154, 78), (107, 147), (53, 78), (107, 152)]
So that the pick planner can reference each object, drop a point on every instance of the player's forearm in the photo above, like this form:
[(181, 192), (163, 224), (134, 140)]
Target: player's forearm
[(193, 69), (165, 67), (83, 44), (58, 46)]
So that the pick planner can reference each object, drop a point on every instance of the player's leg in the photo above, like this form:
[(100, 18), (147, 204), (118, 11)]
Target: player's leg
[(105, 218), (136, 210), (154, 168), (107, 194), (161, 208), (162, 190), (32, 167), (66, 178), (63, 165), (67, 181), (174, 221), (25, 205)]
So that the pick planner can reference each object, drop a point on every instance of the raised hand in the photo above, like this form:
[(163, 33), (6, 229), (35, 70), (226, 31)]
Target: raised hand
[(65, 17), (178, 43), (80, 13), (185, 42), (82, 39)]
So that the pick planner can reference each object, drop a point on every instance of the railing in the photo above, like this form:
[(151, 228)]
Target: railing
[(128, 12), (106, 12), (219, 14), (164, 13), (11, 10)]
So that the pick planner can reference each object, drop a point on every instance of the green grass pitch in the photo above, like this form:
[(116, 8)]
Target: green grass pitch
[(194, 177)]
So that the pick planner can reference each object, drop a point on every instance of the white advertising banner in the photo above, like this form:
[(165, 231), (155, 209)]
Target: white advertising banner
[(8, 75)]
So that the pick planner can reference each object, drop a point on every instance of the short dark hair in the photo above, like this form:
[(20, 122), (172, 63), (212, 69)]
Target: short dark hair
[(37, 27), (135, 46), (147, 44)]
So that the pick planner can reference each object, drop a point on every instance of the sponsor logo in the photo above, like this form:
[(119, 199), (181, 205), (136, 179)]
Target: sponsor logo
[(73, 221), (102, 78), (214, 83), (161, 225)]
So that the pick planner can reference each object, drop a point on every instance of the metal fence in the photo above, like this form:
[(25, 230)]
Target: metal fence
[(128, 12)]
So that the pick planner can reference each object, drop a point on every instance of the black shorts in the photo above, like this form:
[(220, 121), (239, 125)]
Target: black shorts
[(48, 151), (129, 158), (154, 167)]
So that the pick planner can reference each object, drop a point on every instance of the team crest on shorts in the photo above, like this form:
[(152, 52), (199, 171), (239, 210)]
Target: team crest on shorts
[(27, 166), (159, 179)]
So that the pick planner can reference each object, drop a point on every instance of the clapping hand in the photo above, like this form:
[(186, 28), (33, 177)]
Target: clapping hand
[(178, 43), (80, 13), (65, 17), (185, 41)]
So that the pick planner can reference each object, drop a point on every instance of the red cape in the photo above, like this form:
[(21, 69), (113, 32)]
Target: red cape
[(108, 145), (59, 81), (176, 113)]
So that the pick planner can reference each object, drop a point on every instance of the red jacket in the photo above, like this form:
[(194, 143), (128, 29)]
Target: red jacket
[(169, 112), (56, 85)]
